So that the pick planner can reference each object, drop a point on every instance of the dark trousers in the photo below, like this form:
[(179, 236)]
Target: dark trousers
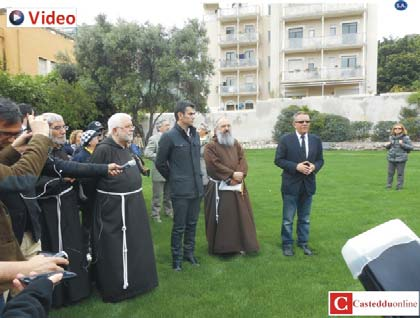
[(399, 166), (186, 213)]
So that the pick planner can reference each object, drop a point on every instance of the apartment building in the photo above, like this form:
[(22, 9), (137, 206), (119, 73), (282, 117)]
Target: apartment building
[(290, 50), (31, 51)]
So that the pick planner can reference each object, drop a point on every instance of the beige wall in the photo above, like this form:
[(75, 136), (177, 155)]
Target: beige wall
[(23, 47)]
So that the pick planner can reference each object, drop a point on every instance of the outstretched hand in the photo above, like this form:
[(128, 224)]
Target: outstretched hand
[(114, 169)]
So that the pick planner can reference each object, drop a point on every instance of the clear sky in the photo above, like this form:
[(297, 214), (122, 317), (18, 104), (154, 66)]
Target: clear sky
[(175, 12)]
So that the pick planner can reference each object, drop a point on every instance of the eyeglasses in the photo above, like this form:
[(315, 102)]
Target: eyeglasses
[(127, 127), (10, 134), (303, 121), (57, 128)]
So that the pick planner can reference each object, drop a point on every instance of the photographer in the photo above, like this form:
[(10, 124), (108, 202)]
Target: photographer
[(399, 146)]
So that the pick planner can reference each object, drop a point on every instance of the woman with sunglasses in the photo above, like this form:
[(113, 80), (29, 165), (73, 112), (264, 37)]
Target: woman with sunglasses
[(398, 148)]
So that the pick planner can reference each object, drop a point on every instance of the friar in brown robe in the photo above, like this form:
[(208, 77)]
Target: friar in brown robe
[(230, 226)]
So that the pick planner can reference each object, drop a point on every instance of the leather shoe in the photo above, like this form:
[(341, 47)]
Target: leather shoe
[(306, 249), (288, 250), (176, 266), (192, 260)]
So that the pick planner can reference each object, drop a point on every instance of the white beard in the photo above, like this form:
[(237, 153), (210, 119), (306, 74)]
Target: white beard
[(225, 139)]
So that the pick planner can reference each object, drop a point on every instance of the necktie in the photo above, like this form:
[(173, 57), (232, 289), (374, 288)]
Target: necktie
[(302, 145)]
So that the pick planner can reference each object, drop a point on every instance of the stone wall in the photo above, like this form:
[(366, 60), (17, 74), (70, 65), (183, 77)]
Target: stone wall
[(256, 126)]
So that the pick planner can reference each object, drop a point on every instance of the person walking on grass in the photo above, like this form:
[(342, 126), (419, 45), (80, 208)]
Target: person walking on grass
[(398, 148)]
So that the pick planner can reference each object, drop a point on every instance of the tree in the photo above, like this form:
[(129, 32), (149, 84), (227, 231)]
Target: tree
[(142, 69), (399, 64)]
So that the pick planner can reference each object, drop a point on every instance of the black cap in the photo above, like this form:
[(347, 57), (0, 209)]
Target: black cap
[(95, 125)]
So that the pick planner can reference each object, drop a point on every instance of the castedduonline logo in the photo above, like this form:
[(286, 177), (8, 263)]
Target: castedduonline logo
[(41, 17)]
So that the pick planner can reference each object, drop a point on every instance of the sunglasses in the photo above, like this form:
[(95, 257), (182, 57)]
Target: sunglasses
[(303, 121), (10, 134)]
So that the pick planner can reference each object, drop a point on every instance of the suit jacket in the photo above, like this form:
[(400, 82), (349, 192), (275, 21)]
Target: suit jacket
[(150, 153), (289, 154)]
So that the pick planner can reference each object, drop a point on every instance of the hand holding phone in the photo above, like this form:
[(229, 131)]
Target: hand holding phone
[(28, 279)]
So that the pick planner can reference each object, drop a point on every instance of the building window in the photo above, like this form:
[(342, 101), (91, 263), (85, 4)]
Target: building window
[(230, 105), (269, 61), (295, 38), (349, 33), (269, 87), (230, 56), (42, 66), (249, 28), (333, 30), (269, 36), (349, 28), (249, 104), (269, 9), (348, 61)]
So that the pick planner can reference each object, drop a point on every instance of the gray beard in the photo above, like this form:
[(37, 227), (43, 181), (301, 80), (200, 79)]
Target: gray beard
[(59, 141), (225, 139)]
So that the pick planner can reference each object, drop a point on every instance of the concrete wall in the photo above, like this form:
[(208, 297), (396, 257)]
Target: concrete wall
[(255, 126)]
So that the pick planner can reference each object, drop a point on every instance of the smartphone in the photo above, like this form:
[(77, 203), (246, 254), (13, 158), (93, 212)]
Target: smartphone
[(128, 164), (28, 279), (62, 254)]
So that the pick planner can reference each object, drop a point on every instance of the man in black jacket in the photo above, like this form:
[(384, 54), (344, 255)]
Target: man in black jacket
[(178, 160)]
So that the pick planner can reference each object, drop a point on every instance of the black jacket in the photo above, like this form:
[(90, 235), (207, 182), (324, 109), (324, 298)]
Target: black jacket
[(178, 161), (289, 154), (33, 302)]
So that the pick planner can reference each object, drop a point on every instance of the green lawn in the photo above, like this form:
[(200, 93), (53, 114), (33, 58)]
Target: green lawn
[(350, 199)]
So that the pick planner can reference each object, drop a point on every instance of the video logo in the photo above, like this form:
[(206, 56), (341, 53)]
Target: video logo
[(16, 17), (41, 17)]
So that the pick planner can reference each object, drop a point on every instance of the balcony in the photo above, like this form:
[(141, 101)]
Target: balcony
[(241, 63), (228, 90), (248, 37), (342, 73), (344, 40), (228, 39), (248, 88), (302, 44), (297, 12), (323, 74), (302, 75), (229, 14)]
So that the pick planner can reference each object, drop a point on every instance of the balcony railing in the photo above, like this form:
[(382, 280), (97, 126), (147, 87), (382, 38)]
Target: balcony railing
[(238, 63), (317, 9), (226, 13), (228, 38), (323, 74), (344, 39), (304, 43), (228, 90), (248, 88), (248, 37)]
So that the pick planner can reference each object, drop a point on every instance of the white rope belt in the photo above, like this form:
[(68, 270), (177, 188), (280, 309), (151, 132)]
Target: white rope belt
[(217, 182), (124, 229), (58, 198)]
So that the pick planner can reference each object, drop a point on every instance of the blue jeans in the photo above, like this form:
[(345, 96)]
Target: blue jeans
[(302, 204)]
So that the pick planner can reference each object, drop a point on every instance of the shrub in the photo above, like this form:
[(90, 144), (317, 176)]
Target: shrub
[(336, 128), (382, 130), (360, 130)]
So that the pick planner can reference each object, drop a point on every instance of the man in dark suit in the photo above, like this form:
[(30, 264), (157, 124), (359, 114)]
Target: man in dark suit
[(300, 156)]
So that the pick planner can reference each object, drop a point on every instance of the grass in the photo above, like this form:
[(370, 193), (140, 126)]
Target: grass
[(351, 198)]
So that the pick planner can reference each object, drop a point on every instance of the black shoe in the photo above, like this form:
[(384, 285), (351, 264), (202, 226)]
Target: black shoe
[(192, 260), (306, 249), (288, 250), (177, 266)]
